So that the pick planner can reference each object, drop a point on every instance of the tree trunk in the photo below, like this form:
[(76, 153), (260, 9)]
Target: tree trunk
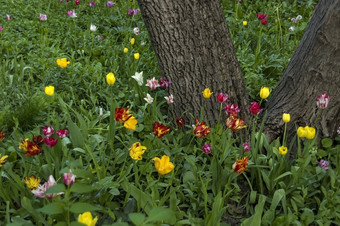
[(195, 51), (313, 69)]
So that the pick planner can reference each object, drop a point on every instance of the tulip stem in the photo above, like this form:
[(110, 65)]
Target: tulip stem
[(284, 135), (219, 116)]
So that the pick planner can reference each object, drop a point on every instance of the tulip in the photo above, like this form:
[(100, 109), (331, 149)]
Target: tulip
[(43, 17), (245, 23), (63, 62), (109, 4), (207, 93), (136, 30), (8, 17), (254, 108), (3, 160), (2, 135), (164, 83), (136, 151), (126, 50), (160, 129), (283, 150), (323, 164), (138, 77), (32, 149), (136, 56), (222, 97), (240, 165), (286, 117), (69, 178), (163, 165), (50, 141), (322, 101), (231, 109), (153, 83), (301, 132), (110, 78), (93, 27), (246, 146), (310, 132), (131, 123), (87, 219), (201, 130), (132, 41), (49, 90), (207, 148), (264, 92), (48, 131), (32, 182), (122, 114), (148, 99), (62, 133), (181, 122), (234, 123), (169, 99)]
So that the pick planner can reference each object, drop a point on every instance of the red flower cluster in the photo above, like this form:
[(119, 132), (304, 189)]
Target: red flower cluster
[(201, 129), (263, 18), (240, 165), (30, 148), (160, 129)]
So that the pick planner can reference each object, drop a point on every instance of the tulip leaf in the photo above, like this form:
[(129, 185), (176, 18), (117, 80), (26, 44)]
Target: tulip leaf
[(81, 188), (75, 135), (81, 207), (56, 189), (52, 208), (137, 218)]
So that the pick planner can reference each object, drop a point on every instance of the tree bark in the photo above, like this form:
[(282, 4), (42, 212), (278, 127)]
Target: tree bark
[(313, 69), (195, 51)]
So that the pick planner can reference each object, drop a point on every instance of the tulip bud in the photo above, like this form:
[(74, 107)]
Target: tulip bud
[(110, 78), (286, 117)]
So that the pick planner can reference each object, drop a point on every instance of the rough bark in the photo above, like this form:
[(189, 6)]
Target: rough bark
[(195, 51), (313, 69)]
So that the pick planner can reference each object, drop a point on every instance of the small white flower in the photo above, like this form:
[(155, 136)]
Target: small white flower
[(136, 31), (170, 99), (139, 78), (299, 17), (93, 27), (148, 99), (291, 28)]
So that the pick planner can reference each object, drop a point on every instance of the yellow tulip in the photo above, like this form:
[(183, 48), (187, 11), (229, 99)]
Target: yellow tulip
[(163, 166), (87, 219), (286, 117), (32, 182), (132, 41), (283, 150), (136, 151), (301, 132), (49, 90), (245, 23), (126, 50), (110, 78), (207, 93), (131, 123), (136, 56), (63, 62), (310, 132), (264, 92)]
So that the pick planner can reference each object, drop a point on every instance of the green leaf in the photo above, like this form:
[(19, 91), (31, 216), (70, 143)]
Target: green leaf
[(75, 134), (26, 203), (282, 175), (161, 214), (81, 188), (137, 218), (52, 208), (327, 142), (56, 189), (80, 207), (255, 220)]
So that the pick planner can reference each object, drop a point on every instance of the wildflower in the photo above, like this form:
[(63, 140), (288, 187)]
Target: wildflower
[(322, 101), (2, 135), (138, 77), (286, 117), (87, 219), (240, 165), (38, 140), (207, 148), (43, 17), (201, 129), (122, 114), (181, 122), (323, 164), (222, 97), (110, 78), (231, 109), (246, 146), (291, 28), (63, 62), (169, 99), (48, 131), (132, 41), (264, 21), (77, 2), (160, 129), (262, 16), (234, 123), (3, 160), (23, 144), (93, 27), (92, 3), (153, 83), (245, 23), (254, 108), (163, 165), (69, 178), (32, 182), (264, 92), (109, 4), (136, 56), (49, 90), (136, 30), (131, 123), (62, 133), (50, 141), (72, 13), (148, 99), (8, 17), (136, 151), (283, 150), (126, 50), (164, 83), (207, 93)]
